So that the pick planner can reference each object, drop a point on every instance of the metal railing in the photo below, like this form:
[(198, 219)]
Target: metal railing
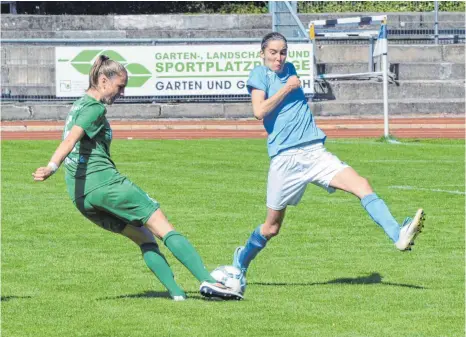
[(286, 21), (428, 29), (410, 33)]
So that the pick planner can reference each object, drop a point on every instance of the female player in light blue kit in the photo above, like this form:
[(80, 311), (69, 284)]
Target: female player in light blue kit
[(298, 155)]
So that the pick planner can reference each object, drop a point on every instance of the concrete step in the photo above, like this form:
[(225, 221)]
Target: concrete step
[(62, 34), (135, 34), (406, 107), (429, 71), (135, 22), (345, 54), (209, 21), (198, 33), (327, 91), (396, 53), (353, 109), (404, 71), (416, 89)]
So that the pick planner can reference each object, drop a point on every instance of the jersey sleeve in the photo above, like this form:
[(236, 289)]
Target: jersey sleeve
[(257, 80), (91, 119), (292, 69)]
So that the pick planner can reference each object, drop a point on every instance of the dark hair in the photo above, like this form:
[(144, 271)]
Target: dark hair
[(272, 37), (103, 65)]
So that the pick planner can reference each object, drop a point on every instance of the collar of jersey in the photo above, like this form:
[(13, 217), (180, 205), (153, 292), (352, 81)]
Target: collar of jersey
[(283, 78)]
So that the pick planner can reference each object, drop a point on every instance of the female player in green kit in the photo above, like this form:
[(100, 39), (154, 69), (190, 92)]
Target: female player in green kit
[(298, 155), (111, 200)]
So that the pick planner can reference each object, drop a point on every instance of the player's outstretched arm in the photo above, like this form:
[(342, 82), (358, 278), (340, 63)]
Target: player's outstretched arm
[(65, 147)]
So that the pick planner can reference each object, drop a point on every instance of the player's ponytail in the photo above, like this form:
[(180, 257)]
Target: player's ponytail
[(104, 66)]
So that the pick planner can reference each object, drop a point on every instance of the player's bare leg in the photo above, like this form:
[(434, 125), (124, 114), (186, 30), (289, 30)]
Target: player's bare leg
[(350, 181)]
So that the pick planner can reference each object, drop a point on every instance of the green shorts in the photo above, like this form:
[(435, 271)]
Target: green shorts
[(117, 204)]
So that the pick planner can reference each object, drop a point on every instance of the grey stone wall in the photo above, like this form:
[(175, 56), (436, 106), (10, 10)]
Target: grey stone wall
[(431, 77), (353, 108), (127, 26)]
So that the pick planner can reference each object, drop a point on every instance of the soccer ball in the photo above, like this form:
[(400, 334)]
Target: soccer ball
[(230, 277)]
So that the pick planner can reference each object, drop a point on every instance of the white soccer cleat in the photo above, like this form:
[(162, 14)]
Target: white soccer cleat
[(219, 291), (409, 230)]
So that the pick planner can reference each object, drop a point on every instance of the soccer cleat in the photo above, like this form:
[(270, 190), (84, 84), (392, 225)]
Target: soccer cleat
[(218, 291), (409, 230), (237, 264)]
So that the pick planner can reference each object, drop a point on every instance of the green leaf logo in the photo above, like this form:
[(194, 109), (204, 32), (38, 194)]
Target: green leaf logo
[(83, 61), (86, 56), (113, 55), (138, 69), (138, 75)]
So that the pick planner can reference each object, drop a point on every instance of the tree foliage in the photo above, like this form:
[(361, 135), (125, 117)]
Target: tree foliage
[(378, 6), (140, 7), (225, 7)]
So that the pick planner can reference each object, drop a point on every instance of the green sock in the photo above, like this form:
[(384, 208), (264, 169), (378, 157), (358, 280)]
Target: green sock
[(187, 255), (159, 266)]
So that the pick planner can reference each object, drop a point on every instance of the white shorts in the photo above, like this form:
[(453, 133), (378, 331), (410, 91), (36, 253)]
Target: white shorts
[(292, 170)]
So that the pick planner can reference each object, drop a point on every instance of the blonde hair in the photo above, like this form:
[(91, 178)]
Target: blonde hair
[(109, 68)]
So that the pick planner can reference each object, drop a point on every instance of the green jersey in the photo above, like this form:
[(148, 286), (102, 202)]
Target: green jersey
[(88, 166)]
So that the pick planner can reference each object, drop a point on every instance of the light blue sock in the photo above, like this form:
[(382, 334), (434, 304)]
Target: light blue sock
[(380, 213), (253, 246)]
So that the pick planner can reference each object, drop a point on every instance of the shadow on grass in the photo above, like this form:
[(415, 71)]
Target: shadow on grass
[(9, 298), (154, 294), (374, 278)]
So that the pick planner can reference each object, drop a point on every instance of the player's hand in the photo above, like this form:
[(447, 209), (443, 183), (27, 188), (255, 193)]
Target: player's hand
[(42, 173), (293, 83)]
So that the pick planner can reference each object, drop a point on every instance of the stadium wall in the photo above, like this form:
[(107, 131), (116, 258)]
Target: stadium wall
[(430, 81), (173, 26)]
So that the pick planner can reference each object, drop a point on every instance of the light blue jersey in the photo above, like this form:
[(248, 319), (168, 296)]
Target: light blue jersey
[(291, 123)]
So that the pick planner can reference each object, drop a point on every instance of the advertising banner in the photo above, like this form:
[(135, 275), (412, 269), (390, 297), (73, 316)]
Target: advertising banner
[(181, 70)]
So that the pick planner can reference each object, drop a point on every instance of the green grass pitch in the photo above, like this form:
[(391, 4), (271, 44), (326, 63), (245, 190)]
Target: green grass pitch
[(330, 272)]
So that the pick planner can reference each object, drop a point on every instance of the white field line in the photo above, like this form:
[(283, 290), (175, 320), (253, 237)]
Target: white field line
[(436, 161), (413, 188), (332, 141)]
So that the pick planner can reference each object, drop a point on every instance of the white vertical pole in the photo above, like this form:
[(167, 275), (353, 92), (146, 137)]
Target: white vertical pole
[(273, 11), (312, 38), (385, 86), (371, 54), (436, 22), (385, 95)]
